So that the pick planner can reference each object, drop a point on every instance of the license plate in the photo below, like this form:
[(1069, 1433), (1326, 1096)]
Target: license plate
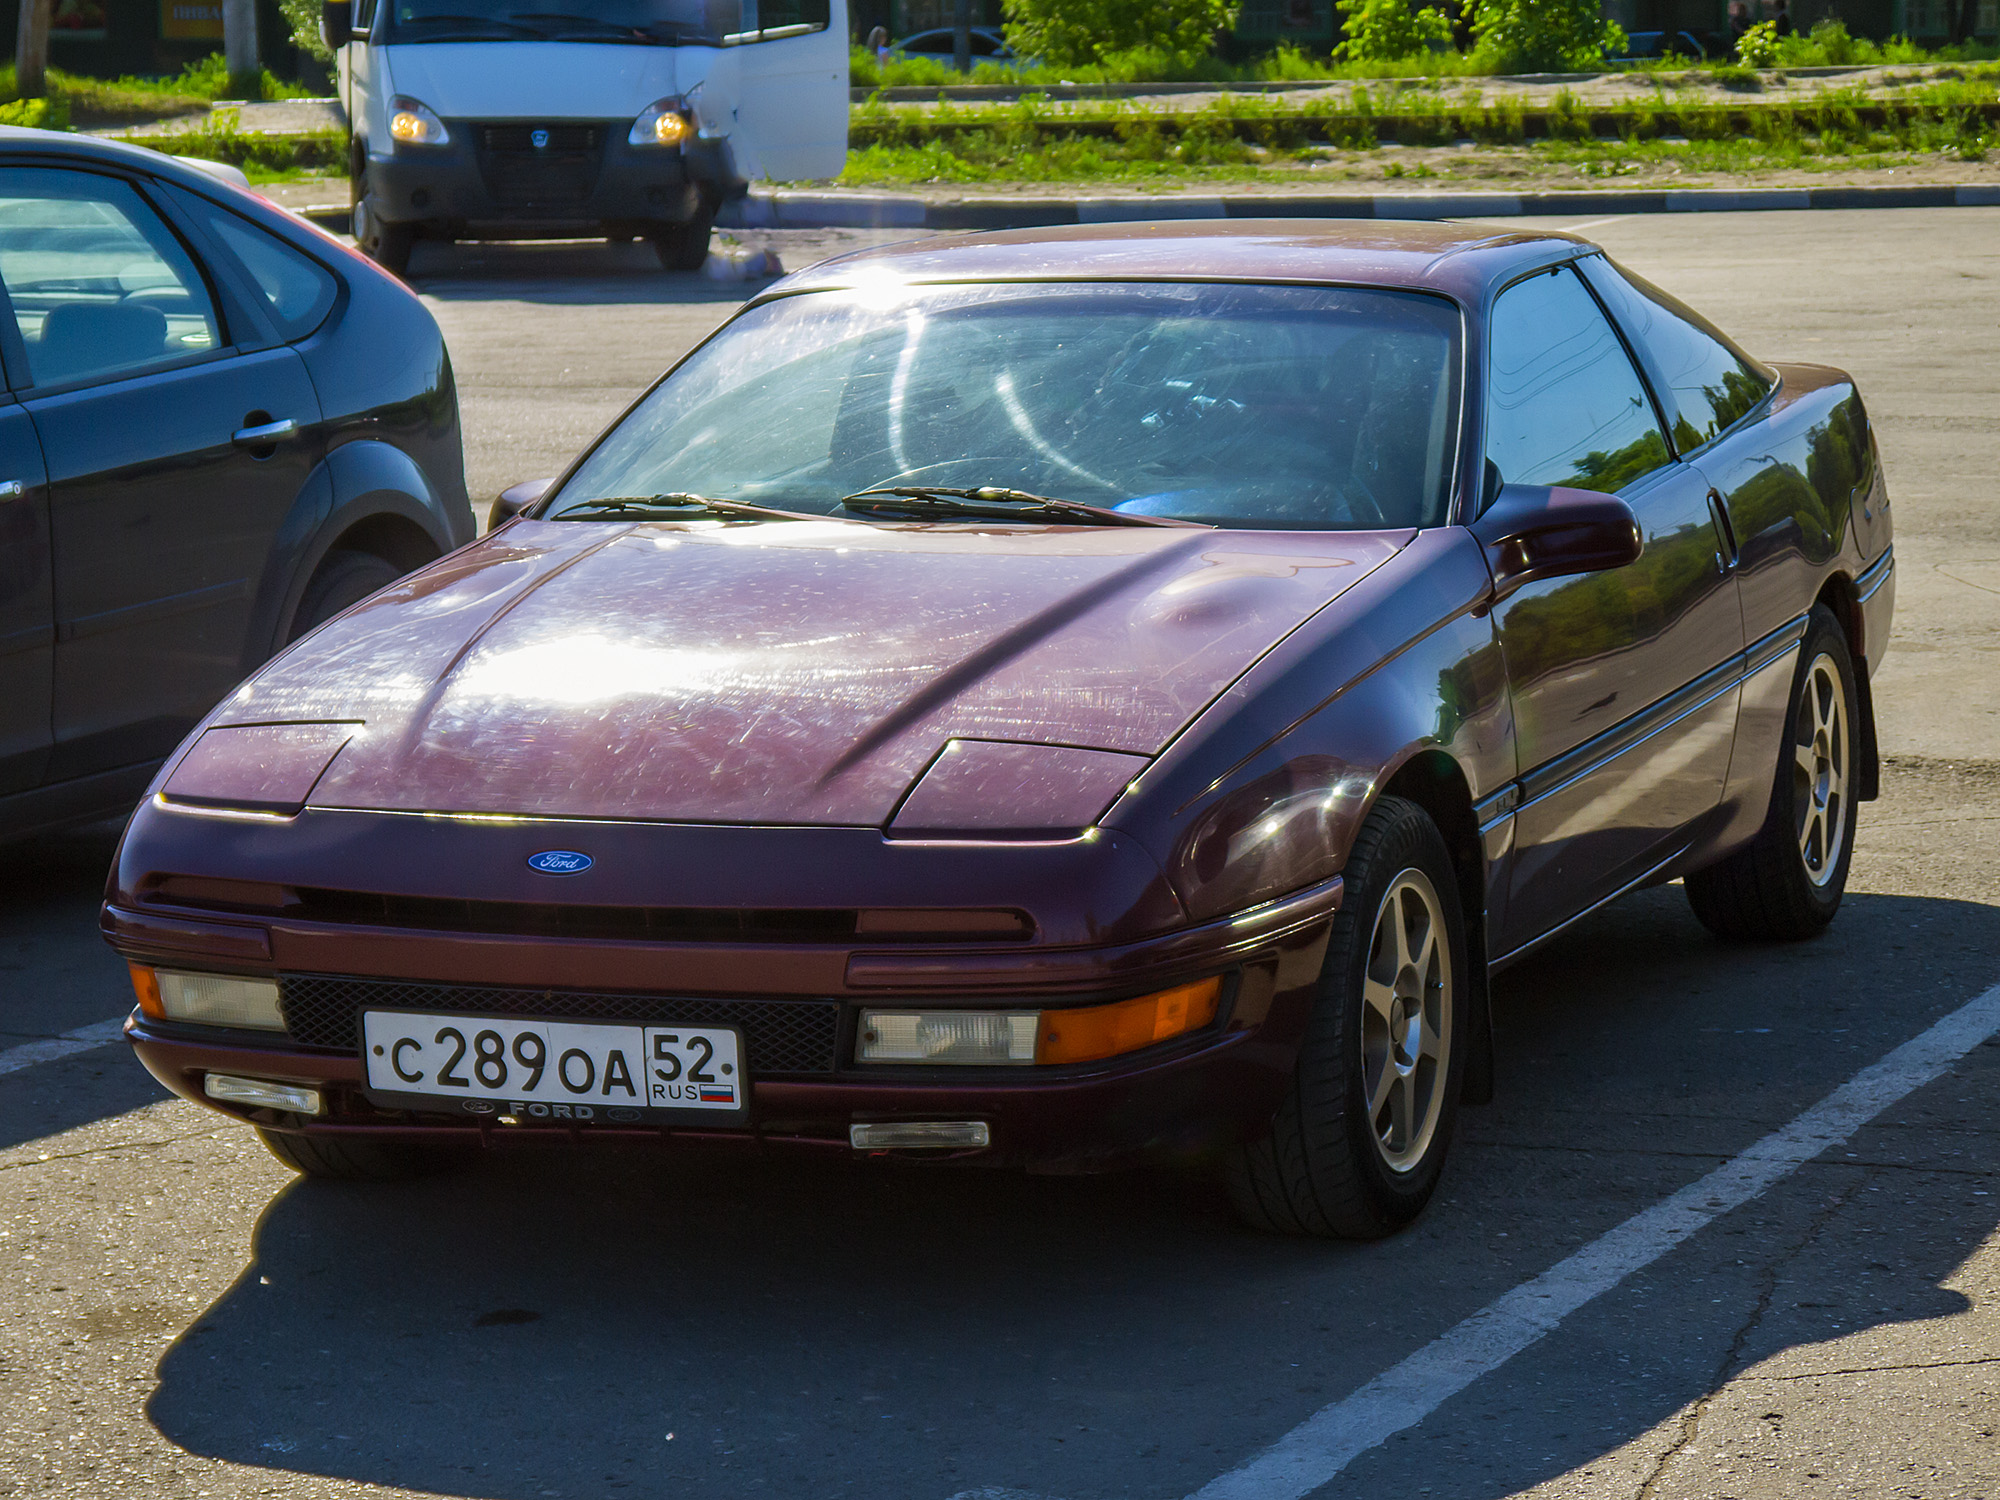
[(554, 1070)]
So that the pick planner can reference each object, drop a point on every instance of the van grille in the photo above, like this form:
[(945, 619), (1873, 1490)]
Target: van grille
[(562, 174)]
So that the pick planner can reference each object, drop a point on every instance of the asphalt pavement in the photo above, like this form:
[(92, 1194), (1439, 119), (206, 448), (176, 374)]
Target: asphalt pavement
[(180, 1317)]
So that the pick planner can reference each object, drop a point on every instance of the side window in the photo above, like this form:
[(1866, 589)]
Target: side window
[(1564, 404), (298, 292), (100, 286), (364, 16), (1708, 384)]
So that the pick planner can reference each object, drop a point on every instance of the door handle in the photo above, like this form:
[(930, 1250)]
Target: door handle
[(264, 434), (11, 489)]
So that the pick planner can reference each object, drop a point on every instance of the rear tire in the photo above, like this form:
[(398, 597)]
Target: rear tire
[(344, 579), (334, 1160), (684, 247), (1786, 884), (1356, 1149)]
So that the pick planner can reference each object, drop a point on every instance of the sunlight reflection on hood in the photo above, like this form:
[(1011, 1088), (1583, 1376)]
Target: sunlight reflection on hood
[(592, 668)]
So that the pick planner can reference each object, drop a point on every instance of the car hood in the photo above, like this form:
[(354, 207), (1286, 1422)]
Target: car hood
[(788, 672)]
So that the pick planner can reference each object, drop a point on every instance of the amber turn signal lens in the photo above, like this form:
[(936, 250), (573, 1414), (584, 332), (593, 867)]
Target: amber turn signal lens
[(146, 985), (1071, 1036)]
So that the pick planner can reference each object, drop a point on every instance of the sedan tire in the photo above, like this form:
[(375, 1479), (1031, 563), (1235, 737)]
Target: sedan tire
[(1787, 883), (362, 1161), (1356, 1149)]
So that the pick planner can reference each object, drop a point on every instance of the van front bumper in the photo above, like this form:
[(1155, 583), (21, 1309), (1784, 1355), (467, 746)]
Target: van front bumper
[(482, 177)]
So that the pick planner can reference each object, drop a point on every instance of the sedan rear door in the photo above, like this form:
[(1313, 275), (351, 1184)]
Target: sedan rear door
[(175, 446)]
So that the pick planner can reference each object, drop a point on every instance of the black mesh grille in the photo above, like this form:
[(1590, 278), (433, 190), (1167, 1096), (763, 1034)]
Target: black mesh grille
[(780, 1036), (561, 172)]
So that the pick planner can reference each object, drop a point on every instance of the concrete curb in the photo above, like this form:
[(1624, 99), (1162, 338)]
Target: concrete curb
[(831, 210)]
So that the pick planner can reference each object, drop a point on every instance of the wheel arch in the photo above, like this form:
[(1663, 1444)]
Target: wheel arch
[(1842, 601)]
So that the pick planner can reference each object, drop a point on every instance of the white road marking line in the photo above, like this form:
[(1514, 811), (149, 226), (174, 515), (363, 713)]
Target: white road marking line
[(1592, 224), (97, 1034), (1321, 1446)]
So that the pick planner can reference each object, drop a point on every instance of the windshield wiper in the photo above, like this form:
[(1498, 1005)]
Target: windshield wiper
[(590, 25), (995, 504), (450, 20), (673, 502)]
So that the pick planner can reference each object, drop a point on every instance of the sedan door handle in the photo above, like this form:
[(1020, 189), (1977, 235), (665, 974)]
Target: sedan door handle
[(264, 434)]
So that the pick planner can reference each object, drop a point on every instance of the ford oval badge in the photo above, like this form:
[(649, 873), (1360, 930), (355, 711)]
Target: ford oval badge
[(559, 862)]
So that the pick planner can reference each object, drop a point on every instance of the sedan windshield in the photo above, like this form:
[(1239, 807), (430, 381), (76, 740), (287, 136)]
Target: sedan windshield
[(1288, 408)]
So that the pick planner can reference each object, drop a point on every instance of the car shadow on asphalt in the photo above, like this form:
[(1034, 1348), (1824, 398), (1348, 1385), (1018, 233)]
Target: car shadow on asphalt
[(546, 1321), (563, 273)]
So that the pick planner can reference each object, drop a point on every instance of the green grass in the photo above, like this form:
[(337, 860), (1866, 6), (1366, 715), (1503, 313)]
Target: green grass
[(1245, 138), (263, 158), (133, 101), (1150, 65)]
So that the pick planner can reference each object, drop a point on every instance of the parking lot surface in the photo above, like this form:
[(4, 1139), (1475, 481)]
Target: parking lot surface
[(180, 1317)]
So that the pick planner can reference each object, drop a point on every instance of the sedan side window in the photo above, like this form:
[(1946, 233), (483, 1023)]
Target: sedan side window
[(1564, 403), (1708, 384), (298, 292), (100, 286)]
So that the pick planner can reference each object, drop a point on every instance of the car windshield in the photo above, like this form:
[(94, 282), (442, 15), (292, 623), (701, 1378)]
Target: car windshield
[(1262, 407), (641, 21)]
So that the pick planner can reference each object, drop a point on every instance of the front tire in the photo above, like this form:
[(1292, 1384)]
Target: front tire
[(684, 247), (1786, 884), (1356, 1149), (333, 1160), (387, 244)]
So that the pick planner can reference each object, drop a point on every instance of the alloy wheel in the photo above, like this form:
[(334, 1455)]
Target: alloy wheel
[(1820, 770), (1406, 1021)]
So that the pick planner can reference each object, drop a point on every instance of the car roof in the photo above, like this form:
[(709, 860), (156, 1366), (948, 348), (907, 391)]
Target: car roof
[(1463, 261), (17, 139)]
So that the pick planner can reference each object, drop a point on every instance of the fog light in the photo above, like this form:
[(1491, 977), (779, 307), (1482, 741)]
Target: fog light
[(967, 1037), (209, 999), (256, 1093), (891, 1135)]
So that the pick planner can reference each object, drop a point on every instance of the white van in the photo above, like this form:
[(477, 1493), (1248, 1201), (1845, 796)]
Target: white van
[(631, 119)]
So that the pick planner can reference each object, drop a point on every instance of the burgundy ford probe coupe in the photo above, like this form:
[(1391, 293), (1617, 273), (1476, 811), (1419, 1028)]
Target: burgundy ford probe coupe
[(1064, 697)]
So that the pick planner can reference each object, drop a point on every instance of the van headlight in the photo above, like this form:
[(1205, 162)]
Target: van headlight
[(665, 122), (411, 123)]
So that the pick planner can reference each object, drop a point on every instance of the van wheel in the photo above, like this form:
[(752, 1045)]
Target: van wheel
[(343, 580), (684, 247), (388, 245), (1357, 1146), (362, 1161)]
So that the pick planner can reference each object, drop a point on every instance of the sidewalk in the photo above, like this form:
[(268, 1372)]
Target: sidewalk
[(832, 208)]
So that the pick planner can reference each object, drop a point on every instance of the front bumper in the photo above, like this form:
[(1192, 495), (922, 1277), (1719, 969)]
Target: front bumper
[(1175, 1099), (489, 174)]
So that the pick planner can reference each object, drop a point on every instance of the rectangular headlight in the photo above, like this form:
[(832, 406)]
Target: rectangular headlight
[(220, 1000), (970, 1037)]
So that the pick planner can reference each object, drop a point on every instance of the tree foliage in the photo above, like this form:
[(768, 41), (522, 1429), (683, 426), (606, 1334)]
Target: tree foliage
[(1383, 30), (1543, 36), (1064, 33)]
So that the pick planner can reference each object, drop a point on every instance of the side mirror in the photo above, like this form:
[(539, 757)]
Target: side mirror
[(1546, 531), (515, 499), (336, 23)]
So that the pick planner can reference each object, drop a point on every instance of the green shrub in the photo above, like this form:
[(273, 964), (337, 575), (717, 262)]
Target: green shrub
[(36, 114), (1378, 30), (1068, 32), (1543, 36), (1758, 47)]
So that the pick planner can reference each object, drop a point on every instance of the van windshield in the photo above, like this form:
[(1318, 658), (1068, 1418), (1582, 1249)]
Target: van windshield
[(639, 22), (1289, 408)]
